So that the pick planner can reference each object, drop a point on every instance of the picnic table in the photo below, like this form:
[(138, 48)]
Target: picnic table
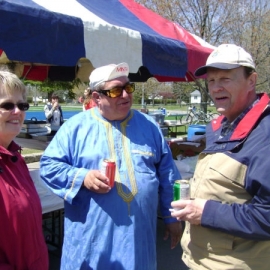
[(177, 122)]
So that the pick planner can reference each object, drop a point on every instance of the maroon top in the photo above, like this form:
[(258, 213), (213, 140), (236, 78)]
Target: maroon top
[(22, 244)]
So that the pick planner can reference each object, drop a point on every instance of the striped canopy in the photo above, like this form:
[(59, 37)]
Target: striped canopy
[(66, 39)]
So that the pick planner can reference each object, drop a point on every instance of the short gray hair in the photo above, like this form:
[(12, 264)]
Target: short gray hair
[(10, 83), (99, 87)]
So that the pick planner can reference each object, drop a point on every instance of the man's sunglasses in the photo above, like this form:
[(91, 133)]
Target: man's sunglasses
[(9, 106), (118, 90)]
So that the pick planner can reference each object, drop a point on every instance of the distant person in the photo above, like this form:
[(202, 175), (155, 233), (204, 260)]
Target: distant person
[(53, 112), (22, 245), (88, 102), (112, 227), (228, 217)]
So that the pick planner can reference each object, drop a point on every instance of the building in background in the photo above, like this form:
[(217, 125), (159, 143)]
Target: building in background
[(195, 97)]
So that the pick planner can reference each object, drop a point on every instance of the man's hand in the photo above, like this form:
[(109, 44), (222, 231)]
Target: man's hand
[(189, 210), (175, 231), (96, 182)]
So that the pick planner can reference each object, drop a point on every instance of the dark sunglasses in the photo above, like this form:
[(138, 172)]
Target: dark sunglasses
[(118, 90), (9, 106)]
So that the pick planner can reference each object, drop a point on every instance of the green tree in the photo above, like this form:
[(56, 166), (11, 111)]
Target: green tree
[(243, 22)]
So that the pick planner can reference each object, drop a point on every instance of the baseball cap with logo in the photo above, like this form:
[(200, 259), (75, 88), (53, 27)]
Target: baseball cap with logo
[(107, 73), (227, 56)]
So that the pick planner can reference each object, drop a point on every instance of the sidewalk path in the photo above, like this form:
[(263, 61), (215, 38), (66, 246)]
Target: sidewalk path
[(31, 143)]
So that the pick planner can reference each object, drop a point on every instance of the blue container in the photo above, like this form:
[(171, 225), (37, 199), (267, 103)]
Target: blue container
[(195, 130)]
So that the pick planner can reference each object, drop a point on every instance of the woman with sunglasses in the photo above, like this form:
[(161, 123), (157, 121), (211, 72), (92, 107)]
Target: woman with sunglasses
[(22, 245), (111, 226)]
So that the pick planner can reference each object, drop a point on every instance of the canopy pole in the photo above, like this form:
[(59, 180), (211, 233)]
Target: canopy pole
[(31, 66), (143, 96)]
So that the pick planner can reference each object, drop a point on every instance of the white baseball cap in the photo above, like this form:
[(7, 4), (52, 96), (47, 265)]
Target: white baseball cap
[(227, 56), (107, 73)]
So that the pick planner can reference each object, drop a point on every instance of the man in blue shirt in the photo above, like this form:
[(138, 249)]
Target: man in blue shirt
[(111, 227)]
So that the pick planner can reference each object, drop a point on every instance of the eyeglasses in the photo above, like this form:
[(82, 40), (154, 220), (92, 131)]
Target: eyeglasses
[(9, 106), (118, 90)]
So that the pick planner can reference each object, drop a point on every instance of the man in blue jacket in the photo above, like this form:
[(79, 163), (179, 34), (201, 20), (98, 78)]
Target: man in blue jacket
[(228, 217)]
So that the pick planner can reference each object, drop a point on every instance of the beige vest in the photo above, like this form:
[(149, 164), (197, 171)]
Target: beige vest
[(218, 177)]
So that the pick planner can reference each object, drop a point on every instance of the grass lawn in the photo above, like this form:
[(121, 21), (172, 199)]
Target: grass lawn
[(26, 151), (78, 107), (40, 107)]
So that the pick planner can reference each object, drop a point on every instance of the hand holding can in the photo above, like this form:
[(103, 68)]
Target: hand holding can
[(108, 168), (181, 191)]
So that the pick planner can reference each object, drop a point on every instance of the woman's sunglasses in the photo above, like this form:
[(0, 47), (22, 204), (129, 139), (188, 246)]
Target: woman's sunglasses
[(118, 90), (9, 106)]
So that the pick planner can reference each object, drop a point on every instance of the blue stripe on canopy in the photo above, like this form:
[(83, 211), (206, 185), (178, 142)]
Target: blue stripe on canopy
[(40, 36)]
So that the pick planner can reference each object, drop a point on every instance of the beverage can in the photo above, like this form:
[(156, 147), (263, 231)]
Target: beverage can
[(108, 168), (181, 190)]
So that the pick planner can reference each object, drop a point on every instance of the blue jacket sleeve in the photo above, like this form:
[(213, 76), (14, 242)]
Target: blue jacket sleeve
[(168, 174)]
